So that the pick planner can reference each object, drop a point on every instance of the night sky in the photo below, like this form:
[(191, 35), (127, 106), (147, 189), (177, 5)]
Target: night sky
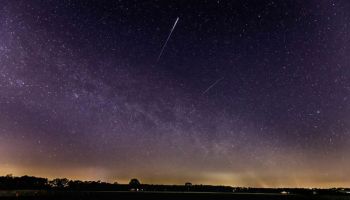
[(245, 93)]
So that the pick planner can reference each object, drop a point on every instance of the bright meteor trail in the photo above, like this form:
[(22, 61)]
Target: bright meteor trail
[(166, 42)]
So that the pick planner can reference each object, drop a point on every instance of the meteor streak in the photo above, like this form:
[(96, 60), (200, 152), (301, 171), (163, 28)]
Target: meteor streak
[(166, 42), (212, 85)]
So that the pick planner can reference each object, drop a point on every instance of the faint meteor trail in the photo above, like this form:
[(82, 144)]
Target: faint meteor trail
[(212, 85), (166, 42)]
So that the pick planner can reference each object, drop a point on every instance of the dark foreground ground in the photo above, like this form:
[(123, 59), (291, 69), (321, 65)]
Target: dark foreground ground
[(43, 195)]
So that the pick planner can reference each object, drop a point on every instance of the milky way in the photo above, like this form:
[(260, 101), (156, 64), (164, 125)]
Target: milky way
[(80, 96)]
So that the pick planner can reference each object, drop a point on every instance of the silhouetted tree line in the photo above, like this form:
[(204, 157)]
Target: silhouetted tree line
[(25, 182), (10, 182)]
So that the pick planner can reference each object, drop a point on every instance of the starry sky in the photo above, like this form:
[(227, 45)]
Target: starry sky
[(245, 93)]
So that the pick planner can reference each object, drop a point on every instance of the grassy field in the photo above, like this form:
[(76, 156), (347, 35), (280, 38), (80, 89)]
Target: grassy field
[(26, 194)]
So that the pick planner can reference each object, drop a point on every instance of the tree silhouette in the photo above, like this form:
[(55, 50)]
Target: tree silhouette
[(24, 182), (188, 185), (134, 184)]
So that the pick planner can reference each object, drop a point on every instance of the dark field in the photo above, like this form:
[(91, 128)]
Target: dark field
[(161, 195)]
